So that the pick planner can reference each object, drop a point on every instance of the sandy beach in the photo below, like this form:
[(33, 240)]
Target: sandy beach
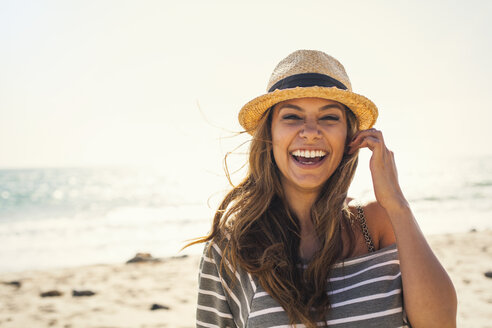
[(124, 294)]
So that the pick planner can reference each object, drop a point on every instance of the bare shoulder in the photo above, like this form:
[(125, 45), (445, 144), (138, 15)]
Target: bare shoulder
[(378, 223)]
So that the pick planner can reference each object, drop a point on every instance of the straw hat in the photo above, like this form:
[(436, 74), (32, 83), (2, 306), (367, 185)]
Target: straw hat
[(309, 73)]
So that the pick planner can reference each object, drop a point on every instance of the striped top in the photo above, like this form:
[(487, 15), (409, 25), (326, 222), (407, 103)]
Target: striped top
[(366, 291)]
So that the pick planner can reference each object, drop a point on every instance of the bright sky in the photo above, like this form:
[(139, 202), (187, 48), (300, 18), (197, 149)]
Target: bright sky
[(89, 83)]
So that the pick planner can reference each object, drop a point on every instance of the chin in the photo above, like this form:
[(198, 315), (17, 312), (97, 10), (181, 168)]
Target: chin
[(308, 186)]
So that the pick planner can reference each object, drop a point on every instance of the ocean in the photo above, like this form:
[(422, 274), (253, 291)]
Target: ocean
[(61, 217)]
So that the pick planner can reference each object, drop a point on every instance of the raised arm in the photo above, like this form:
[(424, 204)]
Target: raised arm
[(428, 293)]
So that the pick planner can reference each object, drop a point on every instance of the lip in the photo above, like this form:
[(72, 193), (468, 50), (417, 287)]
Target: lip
[(309, 166)]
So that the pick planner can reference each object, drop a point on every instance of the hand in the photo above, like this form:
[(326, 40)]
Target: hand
[(383, 168)]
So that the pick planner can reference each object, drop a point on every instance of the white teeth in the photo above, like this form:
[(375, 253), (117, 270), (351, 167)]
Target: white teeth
[(309, 153)]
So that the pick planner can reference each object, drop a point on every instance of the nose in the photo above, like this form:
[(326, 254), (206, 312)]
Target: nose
[(310, 130)]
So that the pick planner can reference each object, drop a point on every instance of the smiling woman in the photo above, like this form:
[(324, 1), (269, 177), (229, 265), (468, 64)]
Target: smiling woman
[(288, 247)]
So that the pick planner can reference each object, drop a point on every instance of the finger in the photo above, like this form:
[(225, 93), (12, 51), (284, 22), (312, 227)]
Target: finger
[(358, 137), (368, 142), (362, 132), (370, 132)]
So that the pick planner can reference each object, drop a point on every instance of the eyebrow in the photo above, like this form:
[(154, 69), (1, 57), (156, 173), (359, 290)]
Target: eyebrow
[(329, 106)]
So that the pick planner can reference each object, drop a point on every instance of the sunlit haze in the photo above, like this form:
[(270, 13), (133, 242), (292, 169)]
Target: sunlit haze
[(160, 83)]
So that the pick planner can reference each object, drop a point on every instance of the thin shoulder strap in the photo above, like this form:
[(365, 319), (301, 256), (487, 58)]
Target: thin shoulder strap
[(365, 231)]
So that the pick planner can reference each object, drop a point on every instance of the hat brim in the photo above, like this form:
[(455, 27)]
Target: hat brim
[(365, 110)]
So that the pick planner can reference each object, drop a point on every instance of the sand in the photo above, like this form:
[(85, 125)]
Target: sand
[(125, 293), (467, 257)]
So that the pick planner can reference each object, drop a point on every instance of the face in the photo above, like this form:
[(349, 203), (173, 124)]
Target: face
[(308, 136)]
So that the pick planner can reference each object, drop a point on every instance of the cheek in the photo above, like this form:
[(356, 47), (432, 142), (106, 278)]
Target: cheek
[(280, 147), (276, 140), (279, 151), (339, 141)]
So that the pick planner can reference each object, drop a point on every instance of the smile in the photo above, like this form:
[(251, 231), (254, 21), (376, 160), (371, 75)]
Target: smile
[(308, 157)]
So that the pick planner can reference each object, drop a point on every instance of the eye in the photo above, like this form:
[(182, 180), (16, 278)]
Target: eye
[(291, 117), (330, 118)]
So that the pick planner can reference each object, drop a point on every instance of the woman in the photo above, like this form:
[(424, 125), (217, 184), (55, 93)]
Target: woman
[(288, 247)]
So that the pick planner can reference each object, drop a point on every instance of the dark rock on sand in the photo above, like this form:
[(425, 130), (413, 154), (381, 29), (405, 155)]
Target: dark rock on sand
[(78, 293), (143, 257), (14, 283), (51, 293), (158, 307), (488, 274)]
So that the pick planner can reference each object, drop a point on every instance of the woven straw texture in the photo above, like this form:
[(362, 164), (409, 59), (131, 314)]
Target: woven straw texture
[(309, 61)]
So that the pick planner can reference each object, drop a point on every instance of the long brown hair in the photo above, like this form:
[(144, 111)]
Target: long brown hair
[(260, 233)]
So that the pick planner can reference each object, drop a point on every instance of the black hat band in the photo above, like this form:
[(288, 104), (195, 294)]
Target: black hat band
[(307, 80)]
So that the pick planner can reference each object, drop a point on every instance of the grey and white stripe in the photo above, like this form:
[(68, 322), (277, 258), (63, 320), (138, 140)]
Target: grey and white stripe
[(365, 291)]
